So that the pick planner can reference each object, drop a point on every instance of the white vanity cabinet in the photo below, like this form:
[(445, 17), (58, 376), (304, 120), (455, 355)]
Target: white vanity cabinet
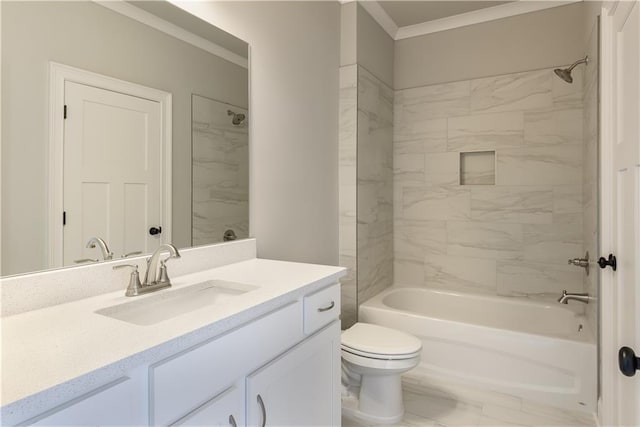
[(224, 410), (290, 357), (300, 387), (117, 403), (293, 366)]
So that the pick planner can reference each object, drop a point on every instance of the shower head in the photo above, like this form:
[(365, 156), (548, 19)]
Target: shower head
[(237, 118), (565, 73)]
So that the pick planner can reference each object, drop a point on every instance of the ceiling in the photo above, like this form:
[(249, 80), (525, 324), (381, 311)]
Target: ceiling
[(405, 13)]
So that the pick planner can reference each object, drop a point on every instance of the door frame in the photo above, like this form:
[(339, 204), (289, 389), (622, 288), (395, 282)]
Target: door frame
[(58, 75), (608, 410)]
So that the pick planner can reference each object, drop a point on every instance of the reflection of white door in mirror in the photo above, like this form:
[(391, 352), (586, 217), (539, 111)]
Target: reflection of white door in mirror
[(112, 172), (111, 165)]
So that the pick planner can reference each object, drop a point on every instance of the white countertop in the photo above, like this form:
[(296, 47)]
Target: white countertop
[(57, 353)]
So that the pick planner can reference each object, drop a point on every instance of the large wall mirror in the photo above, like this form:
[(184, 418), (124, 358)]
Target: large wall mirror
[(124, 125)]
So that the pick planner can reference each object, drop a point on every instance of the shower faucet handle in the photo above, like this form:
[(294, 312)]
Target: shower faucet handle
[(581, 262)]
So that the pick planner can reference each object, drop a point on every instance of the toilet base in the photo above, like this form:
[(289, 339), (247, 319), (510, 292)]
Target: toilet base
[(377, 401), (350, 409)]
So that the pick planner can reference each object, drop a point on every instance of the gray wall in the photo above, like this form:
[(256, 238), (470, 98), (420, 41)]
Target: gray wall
[(294, 127), (375, 48), (531, 41), (88, 36), (349, 33)]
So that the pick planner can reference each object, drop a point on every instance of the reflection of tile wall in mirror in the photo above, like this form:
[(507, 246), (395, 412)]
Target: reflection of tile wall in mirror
[(220, 171)]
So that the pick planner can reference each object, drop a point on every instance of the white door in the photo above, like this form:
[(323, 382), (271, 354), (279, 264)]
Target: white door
[(301, 387), (112, 172), (626, 199)]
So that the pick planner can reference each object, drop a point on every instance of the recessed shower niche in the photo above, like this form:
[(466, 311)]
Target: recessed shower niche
[(478, 168)]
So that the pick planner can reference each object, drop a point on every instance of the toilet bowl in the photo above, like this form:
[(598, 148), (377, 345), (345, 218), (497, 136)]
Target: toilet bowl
[(373, 360)]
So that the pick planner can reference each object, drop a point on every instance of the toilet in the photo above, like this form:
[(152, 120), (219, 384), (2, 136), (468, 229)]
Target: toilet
[(373, 360)]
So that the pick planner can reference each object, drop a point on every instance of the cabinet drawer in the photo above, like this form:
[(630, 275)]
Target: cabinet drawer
[(321, 308), (113, 404), (190, 379)]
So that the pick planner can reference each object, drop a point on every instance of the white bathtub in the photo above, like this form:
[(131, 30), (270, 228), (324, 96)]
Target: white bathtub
[(537, 351)]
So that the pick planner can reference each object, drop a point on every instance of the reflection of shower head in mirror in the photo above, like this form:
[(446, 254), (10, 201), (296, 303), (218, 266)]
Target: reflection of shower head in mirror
[(238, 118)]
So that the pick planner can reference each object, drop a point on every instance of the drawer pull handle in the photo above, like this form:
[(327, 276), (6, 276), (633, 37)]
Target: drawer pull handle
[(264, 411), (327, 308), (232, 421)]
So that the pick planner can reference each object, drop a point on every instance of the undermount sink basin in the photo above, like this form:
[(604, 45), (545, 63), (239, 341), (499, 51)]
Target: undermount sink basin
[(169, 304)]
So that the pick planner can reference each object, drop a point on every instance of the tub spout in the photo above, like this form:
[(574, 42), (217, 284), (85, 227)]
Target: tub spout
[(566, 297)]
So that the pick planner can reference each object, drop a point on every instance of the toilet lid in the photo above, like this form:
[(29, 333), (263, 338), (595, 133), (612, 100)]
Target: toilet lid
[(374, 339)]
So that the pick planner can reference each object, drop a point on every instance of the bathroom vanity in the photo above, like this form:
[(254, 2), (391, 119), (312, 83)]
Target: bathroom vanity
[(253, 342)]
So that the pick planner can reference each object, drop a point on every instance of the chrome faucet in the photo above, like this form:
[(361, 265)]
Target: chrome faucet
[(97, 241), (153, 277), (566, 297)]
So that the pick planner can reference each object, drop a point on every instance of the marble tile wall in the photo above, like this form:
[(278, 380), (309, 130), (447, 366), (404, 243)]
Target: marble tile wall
[(366, 187), (220, 172), (590, 173), (512, 238), (374, 185), (347, 177)]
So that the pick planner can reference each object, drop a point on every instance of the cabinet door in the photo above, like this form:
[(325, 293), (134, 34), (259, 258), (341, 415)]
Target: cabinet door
[(301, 387), (224, 410)]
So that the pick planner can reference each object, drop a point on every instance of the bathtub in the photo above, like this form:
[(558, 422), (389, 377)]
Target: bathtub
[(532, 350)]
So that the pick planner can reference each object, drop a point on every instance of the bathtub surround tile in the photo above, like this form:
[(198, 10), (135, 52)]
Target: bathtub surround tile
[(590, 171), (431, 93), (552, 243), (551, 165), (409, 168), (460, 273), (413, 240), (553, 127), (436, 202), (485, 240), (485, 131), (441, 168), (512, 92), (347, 177), (408, 272), (535, 124), (425, 136), (519, 205), (567, 199), (375, 268), (515, 278), (374, 186)]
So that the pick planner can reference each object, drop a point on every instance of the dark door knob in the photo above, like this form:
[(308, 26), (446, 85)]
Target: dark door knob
[(603, 263), (628, 362), (155, 230)]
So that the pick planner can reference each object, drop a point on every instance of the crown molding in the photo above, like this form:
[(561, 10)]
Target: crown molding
[(456, 21), (380, 16), (173, 30)]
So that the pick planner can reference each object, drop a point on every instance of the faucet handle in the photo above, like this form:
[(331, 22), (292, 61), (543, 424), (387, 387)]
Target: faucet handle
[(134, 280), (164, 276)]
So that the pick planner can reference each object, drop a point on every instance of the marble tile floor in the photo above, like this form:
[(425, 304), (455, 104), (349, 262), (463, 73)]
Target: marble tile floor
[(445, 405)]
